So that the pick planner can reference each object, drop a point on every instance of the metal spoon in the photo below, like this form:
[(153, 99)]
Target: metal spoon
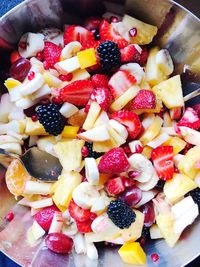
[(39, 164)]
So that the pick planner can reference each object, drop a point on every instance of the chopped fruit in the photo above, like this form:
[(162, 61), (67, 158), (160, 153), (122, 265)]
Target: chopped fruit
[(92, 23), (44, 217), (87, 58), (162, 157), (77, 213), (103, 97), (77, 33), (175, 113), (147, 152), (114, 161), (131, 196), (77, 93), (34, 127), (16, 177), (14, 56), (195, 194), (52, 53), (132, 253), (130, 120), (78, 118), (107, 32), (115, 186), (164, 61), (9, 216), (120, 82), (91, 44), (59, 243), (133, 53), (157, 109), (67, 109), (19, 69), (51, 80), (11, 83), (190, 119), (177, 143), (92, 116), (145, 99), (70, 131), (177, 187), (98, 134), (68, 65), (100, 80), (197, 109), (90, 152), (84, 227)]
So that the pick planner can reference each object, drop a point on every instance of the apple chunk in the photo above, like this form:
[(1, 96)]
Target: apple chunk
[(99, 133)]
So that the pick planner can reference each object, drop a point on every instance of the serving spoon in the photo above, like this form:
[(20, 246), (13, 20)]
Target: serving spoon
[(39, 164)]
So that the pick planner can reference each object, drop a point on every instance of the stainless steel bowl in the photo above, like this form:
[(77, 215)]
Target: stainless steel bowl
[(179, 32)]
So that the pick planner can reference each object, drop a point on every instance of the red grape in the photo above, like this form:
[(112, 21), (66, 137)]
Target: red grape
[(59, 243), (149, 214), (131, 196), (19, 69)]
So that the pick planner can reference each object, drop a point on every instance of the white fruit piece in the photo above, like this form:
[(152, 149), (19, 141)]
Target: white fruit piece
[(119, 128), (92, 252), (37, 231), (15, 93), (37, 63), (12, 148), (51, 80), (191, 136), (91, 171), (136, 70), (146, 197), (177, 158), (16, 126), (34, 44), (133, 144), (68, 109), (33, 85), (122, 29), (70, 50), (70, 230), (9, 139), (99, 205), (16, 113), (38, 188), (167, 121), (92, 116), (150, 184), (53, 35), (44, 91), (148, 120), (46, 202), (25, 102), (102, 119), (68, 65), (57, 223), (5, 107), (97, 134), (46, 144), (155, 232), (159, 140), (164, 62), (84, 195), (79, 243), (19, 137), (179, 209)]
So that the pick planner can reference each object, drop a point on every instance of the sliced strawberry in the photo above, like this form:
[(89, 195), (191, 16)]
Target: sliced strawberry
[(91, 44), (84, 227), (77, 93), (77, 33), (130, 120), (107, 32), (115, 186), (77, 213), (175, 113), (100, 80), (114, 161), (197, 109), (102, 96), (120, 82), (134, 53), (162, 157), (145, 99), (51, 53), (45, 217), (92, 23), (190, 119)]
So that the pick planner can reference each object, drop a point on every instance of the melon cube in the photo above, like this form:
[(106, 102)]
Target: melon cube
[(132, 253)]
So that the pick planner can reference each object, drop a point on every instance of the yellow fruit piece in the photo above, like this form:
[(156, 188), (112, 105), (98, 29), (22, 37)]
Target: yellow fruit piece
[(167, 121), (16, 177), (70, 131), (64, 188), (177, 187), (157, 109), (11, 83), (147, 152), (145, 32), (177, 143), (132, 253), (78, 118), (51, 80), (144, 84), (92, 116), (87, 58), (165, 223), (103, 178), (34, 128), (170, 91), (187, 163), (152, 131)]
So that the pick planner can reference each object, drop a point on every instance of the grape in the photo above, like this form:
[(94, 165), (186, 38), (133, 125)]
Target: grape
[(131, 196), (59, 243), (19, 69), (149, 214)]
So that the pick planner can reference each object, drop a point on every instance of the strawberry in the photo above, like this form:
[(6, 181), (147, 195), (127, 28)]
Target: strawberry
[(45, 217), (14, 56), (145, 99), (190, 119), (100, 80), (197, 109), (113, 161), (51, 53), (77, 33), (92, 23), (84, 227), (130, 120), (130, 53), (107, 32), (120, 82), (77, 213), (77, 93), (162, 157), (102, 96), (91, 44), (115, 186)]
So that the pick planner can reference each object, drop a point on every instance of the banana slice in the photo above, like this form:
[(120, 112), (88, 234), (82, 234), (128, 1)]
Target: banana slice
[(91, 171), (70, 50), (85, 195), (92, 252), (119, 128), (33, 85), (53, 35), (135, 70), (164, 61), (150, 184)]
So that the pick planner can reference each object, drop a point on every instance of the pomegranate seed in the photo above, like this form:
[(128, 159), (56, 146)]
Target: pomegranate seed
[(154, 257), (40, 56), (10, 216), (127, 149), (138, 148), (46, 65), (84, 151), (87, 107), (44, 101), (84, 179), (113, 19), (23, 45), (128, 182), (66, 78), (57, 100), (31, 75), (93, 216), (133, 174), (176, 170), (133, 32), (34, 118)]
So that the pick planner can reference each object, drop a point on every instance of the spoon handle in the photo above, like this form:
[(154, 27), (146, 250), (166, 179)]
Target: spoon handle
[(192, 95)]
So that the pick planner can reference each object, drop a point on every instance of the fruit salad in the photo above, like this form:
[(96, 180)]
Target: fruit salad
[(108, 106)]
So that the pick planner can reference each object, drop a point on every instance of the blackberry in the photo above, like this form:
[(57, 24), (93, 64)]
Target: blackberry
[(110, 56), (92, 154), (50, 117), (195, 194), (121, 214)]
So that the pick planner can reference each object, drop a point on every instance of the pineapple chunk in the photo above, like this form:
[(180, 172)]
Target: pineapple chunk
[(152, 131), (34, 128), (92, 116), (187, 163), (70, 131), (145, 32), (51, 80), (78, 118), (147, 152), (165, 223), (69, 154), (123, 100), (167, 121), (64, 188), (170, 92), (11, 83), (177, 143), (132, 253), (87, 58), (177, 187)]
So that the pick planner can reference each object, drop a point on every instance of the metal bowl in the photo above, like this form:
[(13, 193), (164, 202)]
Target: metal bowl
[(179, 32)]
